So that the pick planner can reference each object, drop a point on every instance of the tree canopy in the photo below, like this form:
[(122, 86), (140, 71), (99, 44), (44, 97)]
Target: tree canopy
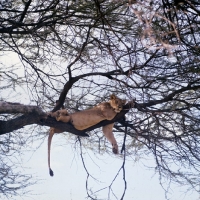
[(76, 53)]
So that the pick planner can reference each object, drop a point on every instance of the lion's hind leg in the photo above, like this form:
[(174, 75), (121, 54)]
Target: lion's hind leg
[(63, 112), (54, 114), (63, 116), (58, 113)]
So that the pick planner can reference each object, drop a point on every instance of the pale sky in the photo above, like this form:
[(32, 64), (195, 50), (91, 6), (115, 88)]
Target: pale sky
[(69, 176)]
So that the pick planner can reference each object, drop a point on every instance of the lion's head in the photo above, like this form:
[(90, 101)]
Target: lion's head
[(116, 103)]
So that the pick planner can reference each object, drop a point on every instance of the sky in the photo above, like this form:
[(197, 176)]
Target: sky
[(69, 181)]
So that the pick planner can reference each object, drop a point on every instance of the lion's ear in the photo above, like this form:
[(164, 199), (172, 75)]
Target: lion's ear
[(112, 96)]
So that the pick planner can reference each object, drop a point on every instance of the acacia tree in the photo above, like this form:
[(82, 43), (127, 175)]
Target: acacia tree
[(77, 53)]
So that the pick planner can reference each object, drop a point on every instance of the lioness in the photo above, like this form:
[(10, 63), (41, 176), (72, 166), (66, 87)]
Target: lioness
[(87, 118)]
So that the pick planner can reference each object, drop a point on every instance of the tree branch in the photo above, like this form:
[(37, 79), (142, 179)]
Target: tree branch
[(8, 107), (141, 106), (34, 115)]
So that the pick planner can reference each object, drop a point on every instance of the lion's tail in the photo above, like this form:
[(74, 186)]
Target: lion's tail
[(51, 133)]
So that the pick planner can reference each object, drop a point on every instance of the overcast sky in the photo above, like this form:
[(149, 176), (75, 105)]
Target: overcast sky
[(70, 176)]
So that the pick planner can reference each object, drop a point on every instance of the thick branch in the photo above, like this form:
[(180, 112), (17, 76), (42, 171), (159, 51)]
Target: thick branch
[(36, 118), (17, 123), (8, 107), (34, 115), (25, 10)]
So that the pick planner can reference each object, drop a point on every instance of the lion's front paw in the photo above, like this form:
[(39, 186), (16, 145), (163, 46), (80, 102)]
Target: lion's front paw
[(115, 149), (58, 118), (54, 114)]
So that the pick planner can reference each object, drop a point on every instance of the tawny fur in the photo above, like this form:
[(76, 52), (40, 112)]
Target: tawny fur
[(87, 118)]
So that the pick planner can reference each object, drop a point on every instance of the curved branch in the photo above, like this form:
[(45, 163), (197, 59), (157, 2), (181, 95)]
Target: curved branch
[(73, 80), (141, 106)]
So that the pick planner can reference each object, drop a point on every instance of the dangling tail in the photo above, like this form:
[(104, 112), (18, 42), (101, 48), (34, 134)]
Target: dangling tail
[(50, 172), (51, 133)]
